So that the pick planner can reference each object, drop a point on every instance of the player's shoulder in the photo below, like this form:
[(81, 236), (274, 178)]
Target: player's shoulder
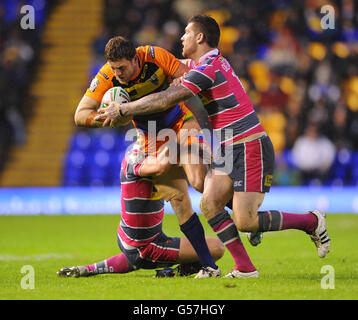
[(105, 72), (151, 53), (205, 66)]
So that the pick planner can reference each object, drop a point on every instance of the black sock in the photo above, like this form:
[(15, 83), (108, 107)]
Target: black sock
[(229, 204), (194, 231), (269, 220)]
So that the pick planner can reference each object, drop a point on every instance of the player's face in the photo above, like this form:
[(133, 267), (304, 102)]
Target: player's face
[(124, 69), (189, 41)]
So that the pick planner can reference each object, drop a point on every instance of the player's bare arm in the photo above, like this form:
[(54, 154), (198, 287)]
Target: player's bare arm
[(182, 69), (157, 102), (86, 112), (152, 103)]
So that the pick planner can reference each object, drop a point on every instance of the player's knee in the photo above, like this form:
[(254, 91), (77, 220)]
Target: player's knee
[(197, 182), (210, 205), (178, 198), (244, 222), (240, 223), (204, 206), (182, 207)]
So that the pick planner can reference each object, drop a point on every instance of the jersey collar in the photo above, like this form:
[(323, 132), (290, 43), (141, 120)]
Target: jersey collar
[(213, 52)]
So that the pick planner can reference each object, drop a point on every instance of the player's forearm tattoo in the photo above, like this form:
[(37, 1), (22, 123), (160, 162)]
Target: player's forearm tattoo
[(157, 102)]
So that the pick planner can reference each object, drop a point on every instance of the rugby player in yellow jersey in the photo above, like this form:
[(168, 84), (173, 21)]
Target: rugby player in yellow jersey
[(141, 71)]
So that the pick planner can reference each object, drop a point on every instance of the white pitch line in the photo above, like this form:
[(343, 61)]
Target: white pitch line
[(38, 257)]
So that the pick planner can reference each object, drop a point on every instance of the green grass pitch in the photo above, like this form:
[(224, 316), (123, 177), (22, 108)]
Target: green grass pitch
[(289, 266)]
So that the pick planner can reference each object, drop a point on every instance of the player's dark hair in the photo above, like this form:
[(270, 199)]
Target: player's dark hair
[(118, 48), (209, 27)]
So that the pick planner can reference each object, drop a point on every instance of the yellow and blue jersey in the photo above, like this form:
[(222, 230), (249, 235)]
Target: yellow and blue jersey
[(157, 67)]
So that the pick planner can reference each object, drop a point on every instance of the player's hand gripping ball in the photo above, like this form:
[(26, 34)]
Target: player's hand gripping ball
[(118, 95)]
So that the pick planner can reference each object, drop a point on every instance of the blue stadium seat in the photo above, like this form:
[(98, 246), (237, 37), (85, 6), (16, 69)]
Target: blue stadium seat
[(337, 182), (107, 141), (80, 141), (354, 176), (340, 168), (73, 178), (74, 167), (287, 156), (354, 161), (12, 9), (121, 143), (96, 167), (94, 158), (114, 169)]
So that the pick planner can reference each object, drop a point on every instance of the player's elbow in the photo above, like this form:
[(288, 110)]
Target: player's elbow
[(78, 118), (85, 112)]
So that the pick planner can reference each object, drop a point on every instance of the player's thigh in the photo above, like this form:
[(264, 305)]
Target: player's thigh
[(196, 173), (171, 184), (188, 254), (173, 187), (218, 191), (245, 207), (191, 154)]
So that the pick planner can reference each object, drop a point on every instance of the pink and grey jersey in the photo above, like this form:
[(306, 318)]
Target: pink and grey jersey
[(231, 113), (142, 215)]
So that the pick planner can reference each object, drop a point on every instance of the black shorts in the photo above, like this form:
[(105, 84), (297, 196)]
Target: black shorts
[(163, 251), (249, 164)]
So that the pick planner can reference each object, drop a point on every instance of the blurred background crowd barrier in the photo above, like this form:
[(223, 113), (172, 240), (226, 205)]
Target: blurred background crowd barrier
[(302, 79)]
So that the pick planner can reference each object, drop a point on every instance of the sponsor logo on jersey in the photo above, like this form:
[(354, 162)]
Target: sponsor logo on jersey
[(144, 71), (154, 79), (225, 65), (151, 51), (202, 68), (94, 83), (104, 75)]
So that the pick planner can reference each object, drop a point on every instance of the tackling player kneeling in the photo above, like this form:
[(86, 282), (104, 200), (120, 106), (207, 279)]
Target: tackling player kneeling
[(140, 236)]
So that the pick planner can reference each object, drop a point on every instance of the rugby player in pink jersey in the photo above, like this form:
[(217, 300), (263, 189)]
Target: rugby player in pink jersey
[(140, 237), (248, 153)]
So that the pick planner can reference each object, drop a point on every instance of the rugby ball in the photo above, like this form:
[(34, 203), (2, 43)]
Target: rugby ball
[(119, 95)]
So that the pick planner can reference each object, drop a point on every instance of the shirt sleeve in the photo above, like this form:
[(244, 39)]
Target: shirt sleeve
[(100, 83), (199, 79)]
